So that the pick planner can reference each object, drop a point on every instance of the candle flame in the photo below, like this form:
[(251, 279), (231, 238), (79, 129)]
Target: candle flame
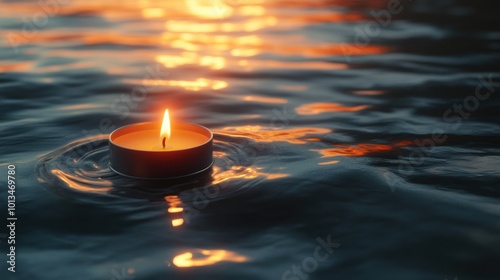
[(165, 129)]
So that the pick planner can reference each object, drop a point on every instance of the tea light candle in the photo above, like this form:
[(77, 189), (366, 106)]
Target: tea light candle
[(161, 150)]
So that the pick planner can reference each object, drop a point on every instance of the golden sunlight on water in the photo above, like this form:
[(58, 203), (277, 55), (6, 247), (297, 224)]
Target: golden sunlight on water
[(209, 9), (242, 172), (201, 257), (357, 150), (195, 85), (82, 106), (198, 35), (318, 108), (264, 99), (211, 43), (259, 134)]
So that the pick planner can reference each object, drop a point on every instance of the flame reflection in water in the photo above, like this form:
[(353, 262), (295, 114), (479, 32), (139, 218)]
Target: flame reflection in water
[(201, 257)]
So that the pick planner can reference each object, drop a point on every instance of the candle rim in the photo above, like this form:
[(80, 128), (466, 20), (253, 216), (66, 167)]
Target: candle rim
[(210, 136)]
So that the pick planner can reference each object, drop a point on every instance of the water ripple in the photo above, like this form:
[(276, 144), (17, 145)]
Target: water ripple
[(81, 170)]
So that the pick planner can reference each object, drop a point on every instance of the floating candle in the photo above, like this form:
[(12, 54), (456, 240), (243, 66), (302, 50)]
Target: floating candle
[(161, 150)]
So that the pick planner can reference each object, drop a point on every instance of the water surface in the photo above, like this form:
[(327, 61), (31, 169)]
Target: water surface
[(374, 128)]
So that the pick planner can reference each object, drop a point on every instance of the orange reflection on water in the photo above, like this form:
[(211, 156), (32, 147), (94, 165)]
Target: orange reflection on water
[(358, 150), (258, 133), (177, 222), (368, 92), (209, 9), (220, 154), (121, 39), (325, 17), (263, 99), (242, 172), (20, 66), (356, 50), (208, 43), (201, 257), (195, 27), (329, 162), (80, 107), (227, 41), (318, 108), (252, 10), (171, 61), (73, 7), (245, 52), (293, 87), (72, 182), (195, 85), (290, 65), (153, 12), (174, 208)]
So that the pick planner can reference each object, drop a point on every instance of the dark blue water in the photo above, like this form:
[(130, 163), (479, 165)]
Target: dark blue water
[(353, 139)]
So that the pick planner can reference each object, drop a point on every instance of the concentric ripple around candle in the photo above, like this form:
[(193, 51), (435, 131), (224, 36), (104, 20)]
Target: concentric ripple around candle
[(81, 170)]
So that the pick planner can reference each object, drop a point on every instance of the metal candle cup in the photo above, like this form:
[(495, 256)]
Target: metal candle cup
[(136, 151)]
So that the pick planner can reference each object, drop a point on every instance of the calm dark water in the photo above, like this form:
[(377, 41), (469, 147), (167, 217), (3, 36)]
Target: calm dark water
[(369, 127)]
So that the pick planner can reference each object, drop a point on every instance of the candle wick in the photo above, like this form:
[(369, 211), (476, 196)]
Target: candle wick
[(163, 142)]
